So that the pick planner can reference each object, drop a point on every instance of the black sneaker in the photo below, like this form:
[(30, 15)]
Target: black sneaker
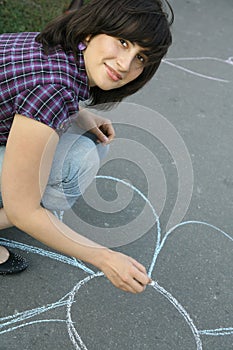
[(14, 264)]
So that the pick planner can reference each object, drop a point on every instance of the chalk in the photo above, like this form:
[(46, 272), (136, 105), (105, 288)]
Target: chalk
[(170, 61)]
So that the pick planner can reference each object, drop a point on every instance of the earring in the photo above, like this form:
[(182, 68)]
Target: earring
[(81, 46)]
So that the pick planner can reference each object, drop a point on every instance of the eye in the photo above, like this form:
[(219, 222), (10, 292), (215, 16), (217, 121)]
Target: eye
[(123, 42), (141, 58)]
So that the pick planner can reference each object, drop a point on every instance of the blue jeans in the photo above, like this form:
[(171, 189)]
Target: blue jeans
[(76, 162)]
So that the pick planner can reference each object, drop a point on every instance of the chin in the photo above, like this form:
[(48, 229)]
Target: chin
[(104, 87), (107, 87)]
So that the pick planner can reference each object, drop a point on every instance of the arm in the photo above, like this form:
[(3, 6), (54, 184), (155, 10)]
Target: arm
[(27, 163)]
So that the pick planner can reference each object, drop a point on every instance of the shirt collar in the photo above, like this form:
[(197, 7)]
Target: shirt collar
[(84, 92)]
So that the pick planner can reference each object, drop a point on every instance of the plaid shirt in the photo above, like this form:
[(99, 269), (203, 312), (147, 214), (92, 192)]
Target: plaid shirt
[(43, 87)]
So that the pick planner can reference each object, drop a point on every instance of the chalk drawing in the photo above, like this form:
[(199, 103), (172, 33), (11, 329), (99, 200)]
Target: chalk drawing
[(172, 62), (24, 319)]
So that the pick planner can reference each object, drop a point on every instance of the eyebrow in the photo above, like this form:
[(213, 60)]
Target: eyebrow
[(142, 51)]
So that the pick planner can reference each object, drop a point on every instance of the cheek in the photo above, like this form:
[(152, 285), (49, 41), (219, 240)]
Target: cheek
[(135, 73)]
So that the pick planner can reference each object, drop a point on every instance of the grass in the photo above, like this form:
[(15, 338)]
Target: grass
[(28, 15)]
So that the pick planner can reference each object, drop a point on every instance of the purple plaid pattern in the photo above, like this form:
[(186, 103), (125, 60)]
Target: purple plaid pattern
[(43, 87)]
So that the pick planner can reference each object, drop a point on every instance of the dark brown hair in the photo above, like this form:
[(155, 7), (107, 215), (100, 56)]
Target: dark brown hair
[(144, 22)]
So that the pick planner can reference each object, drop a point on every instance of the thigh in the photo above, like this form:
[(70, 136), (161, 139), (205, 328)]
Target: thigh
[(73, 152)]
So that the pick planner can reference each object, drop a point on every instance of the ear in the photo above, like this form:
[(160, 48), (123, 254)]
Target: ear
[(88, 38)]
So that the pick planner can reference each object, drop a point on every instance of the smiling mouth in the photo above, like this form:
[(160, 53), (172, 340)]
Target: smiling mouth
[(113, 74)]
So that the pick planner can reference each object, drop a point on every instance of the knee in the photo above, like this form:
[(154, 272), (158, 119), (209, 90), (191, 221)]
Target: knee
[(81, 163)]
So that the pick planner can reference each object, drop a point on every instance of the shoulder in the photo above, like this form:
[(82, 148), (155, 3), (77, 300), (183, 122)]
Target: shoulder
[(18, 38)]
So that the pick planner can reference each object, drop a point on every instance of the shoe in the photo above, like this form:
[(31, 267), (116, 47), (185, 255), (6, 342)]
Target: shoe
[(14, 264)]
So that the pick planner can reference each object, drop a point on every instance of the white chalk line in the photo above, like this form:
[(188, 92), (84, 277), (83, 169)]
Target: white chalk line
[(75, 337), (182, 312), (45, 253), (169, 61), (216, 332), (158, 238), (22, 316), (180, 225), (73, 334), (31, 323), (203, 58)]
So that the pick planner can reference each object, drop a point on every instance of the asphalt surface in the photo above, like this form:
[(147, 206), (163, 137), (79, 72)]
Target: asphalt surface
[(173, 152)]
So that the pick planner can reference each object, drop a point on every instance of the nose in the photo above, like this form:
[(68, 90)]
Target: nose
[(124, 61)]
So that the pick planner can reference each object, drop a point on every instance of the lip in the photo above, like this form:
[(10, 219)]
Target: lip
[(114, 75)]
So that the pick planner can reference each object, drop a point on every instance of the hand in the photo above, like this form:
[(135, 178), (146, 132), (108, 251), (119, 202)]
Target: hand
[(97, 125), (125, 273)]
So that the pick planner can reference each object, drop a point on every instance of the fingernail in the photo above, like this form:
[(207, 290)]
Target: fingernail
[(105, 141)]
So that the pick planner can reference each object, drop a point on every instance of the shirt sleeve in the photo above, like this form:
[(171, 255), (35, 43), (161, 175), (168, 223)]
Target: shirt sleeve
[(50, 104)]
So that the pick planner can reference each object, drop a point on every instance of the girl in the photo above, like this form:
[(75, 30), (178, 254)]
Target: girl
[(102, 53)]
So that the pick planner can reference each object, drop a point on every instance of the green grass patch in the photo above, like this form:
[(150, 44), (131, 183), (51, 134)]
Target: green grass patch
[(28, 15)]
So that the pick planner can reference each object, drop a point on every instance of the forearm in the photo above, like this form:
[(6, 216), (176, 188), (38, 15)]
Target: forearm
[(123, 271), (46, 228), (4, 221)]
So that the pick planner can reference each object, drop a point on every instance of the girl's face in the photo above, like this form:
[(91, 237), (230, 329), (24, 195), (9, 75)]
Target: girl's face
[(112, 62)]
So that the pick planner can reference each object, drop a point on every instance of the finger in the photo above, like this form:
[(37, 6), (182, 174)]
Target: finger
[(100, 135), (141, 277), (139, 266), (136, 287), (126, 286), (130, 284), (108, 130)]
